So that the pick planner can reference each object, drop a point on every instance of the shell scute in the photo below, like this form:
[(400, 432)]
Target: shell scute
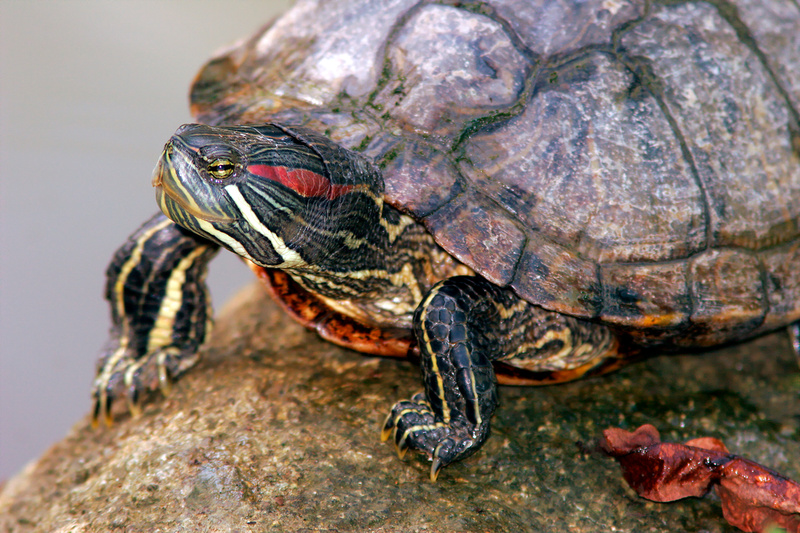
[(425, 177), (650, 297), (782, 284), (541, 24), (732, 119), (447, 66), (728, 296), (556, 276), (598, 172), (473, 231)]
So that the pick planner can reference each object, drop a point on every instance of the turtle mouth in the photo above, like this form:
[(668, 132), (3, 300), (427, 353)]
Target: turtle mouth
[(171, 189)]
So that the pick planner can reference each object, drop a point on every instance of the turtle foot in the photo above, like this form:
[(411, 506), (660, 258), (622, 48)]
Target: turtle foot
[(122, 376), (413, 425)]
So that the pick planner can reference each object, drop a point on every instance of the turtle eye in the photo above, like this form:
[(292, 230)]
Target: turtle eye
[(221, 168)]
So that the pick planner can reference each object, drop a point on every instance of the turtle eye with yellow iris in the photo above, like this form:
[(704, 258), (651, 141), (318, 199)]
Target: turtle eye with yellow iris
[(221, 168)]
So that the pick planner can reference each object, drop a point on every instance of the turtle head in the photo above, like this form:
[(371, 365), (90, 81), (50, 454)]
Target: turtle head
[(274, 195)]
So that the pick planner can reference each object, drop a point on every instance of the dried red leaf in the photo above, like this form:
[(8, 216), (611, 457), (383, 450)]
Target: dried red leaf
[(754, 498)]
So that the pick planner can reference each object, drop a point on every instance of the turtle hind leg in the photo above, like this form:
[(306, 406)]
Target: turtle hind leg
[(160, 313), (462, 326)]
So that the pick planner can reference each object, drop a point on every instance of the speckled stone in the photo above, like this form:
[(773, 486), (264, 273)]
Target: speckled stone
[(277, 430)]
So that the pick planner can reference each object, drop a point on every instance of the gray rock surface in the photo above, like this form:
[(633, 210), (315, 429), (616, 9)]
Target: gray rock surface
[(277, 430)]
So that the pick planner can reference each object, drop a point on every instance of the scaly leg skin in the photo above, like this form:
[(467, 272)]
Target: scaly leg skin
[(160, 313), (463, 325)]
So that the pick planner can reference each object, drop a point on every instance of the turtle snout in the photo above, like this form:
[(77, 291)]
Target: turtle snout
[(161, 166), (156, 181), (183, 128)]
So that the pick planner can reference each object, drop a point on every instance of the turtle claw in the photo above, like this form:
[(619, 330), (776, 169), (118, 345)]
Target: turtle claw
[(104, 396), (438, 462), (134, 408), (121, 375), (401, 452), (413, 425), (449, 451), (101, 411), (388, 428), (401, 445), (436, 467)]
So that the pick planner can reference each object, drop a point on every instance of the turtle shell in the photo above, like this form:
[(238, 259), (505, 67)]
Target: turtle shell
[(627, 162)]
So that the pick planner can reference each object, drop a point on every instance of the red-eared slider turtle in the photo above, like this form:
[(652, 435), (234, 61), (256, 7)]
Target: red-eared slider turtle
[(538, 188)]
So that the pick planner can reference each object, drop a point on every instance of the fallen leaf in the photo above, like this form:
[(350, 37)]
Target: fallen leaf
[(754, 498)]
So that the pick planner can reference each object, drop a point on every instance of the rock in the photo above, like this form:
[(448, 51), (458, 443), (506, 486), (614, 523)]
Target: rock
[(277, 430)]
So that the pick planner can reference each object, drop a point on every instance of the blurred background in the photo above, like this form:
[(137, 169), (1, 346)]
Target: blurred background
[(90, 90)]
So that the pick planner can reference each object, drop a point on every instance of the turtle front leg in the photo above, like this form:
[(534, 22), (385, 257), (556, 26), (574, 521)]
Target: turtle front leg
[(453, 325), (160, 313), (463, 325)]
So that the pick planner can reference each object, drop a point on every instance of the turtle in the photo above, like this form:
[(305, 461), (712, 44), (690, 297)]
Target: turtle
[(509, 192)]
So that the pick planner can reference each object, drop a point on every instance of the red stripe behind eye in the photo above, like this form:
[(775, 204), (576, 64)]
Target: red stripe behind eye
[(300, 180)]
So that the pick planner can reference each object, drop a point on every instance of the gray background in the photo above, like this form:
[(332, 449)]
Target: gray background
[(89, 93)]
